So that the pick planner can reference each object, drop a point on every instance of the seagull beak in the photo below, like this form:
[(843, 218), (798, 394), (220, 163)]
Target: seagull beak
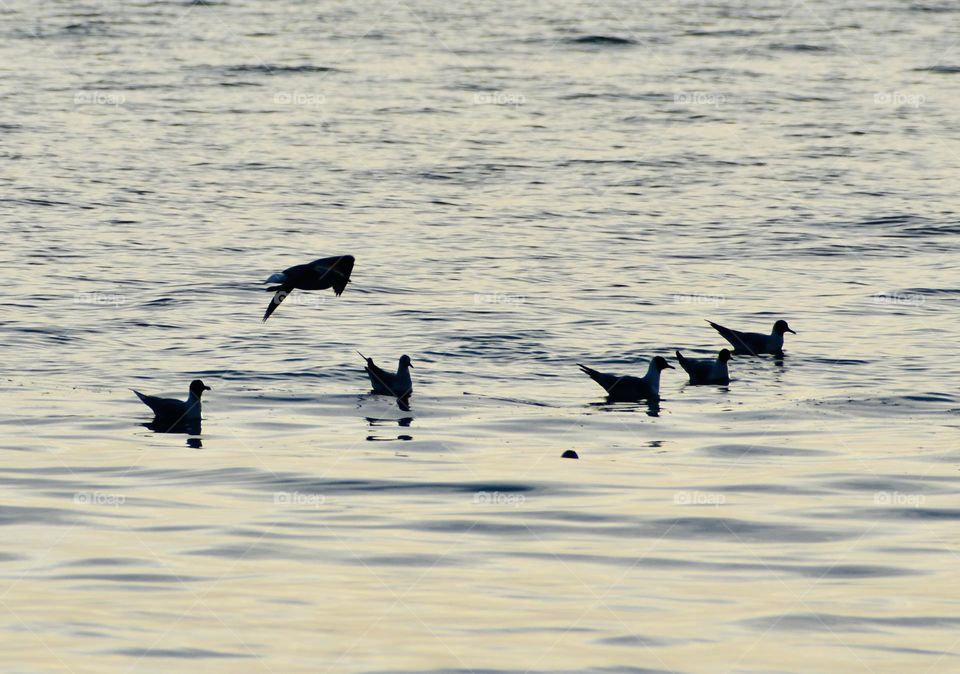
[(791, 331), (670, 366), (207, 388)]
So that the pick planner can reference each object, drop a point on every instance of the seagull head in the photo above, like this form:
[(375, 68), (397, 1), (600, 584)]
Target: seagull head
[(662, 363), (781, 327), (405, 361), (724, 355), (197, 387), (279, 277)]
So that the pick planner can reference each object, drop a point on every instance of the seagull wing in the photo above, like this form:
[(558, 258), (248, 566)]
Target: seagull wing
[(162, 407), (749, 342), (607, 381), (334, 272), (685, 363), (380, 379), (278, 297)]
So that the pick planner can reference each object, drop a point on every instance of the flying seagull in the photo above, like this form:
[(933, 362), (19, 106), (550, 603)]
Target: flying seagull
[(173, 412), (327, 272), (706, 370), (398, 385), (631, 388), (755, 343)]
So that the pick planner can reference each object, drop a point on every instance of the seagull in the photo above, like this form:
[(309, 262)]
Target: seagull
[(706, 370), (398, 385), (174, 412), (327, 272), (755, 343), (631, 388)]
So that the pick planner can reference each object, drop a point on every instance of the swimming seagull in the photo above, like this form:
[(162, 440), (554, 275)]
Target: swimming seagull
[(174, 412), (398, 385), (706, 370), (631, 388), (755, 343), (327, 272)]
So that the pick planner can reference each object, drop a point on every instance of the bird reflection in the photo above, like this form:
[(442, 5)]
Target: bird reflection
[(652, 406), (403, 402), (158, 425), (192, 428), (404, 422), (722, 388)]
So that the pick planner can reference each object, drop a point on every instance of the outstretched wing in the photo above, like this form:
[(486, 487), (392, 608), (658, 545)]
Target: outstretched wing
[(334, 272), (278, 297)]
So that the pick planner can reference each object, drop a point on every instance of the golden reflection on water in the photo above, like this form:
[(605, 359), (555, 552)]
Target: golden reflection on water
[(520, 197)]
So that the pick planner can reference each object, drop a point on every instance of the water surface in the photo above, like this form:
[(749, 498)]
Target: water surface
[(525, 187)]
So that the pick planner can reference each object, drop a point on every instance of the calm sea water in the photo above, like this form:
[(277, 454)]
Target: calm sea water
[(525, 186)]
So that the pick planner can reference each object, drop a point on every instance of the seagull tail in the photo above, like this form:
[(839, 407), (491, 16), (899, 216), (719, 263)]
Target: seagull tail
[(732, 336)]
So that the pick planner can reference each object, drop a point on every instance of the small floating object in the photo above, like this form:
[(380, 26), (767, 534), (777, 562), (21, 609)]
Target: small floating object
[(569, 454)]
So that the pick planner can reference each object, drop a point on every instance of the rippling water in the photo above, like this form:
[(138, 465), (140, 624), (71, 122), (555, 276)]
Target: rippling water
[(525, 186)]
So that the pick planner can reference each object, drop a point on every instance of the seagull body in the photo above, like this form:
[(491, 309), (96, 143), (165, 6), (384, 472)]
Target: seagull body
[(631, 388), (327, 272), (706, 370), (175, 411), (755, 343), (398, 385)]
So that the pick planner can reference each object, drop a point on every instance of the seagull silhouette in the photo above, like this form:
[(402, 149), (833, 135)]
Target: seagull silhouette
[(327, 272)]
